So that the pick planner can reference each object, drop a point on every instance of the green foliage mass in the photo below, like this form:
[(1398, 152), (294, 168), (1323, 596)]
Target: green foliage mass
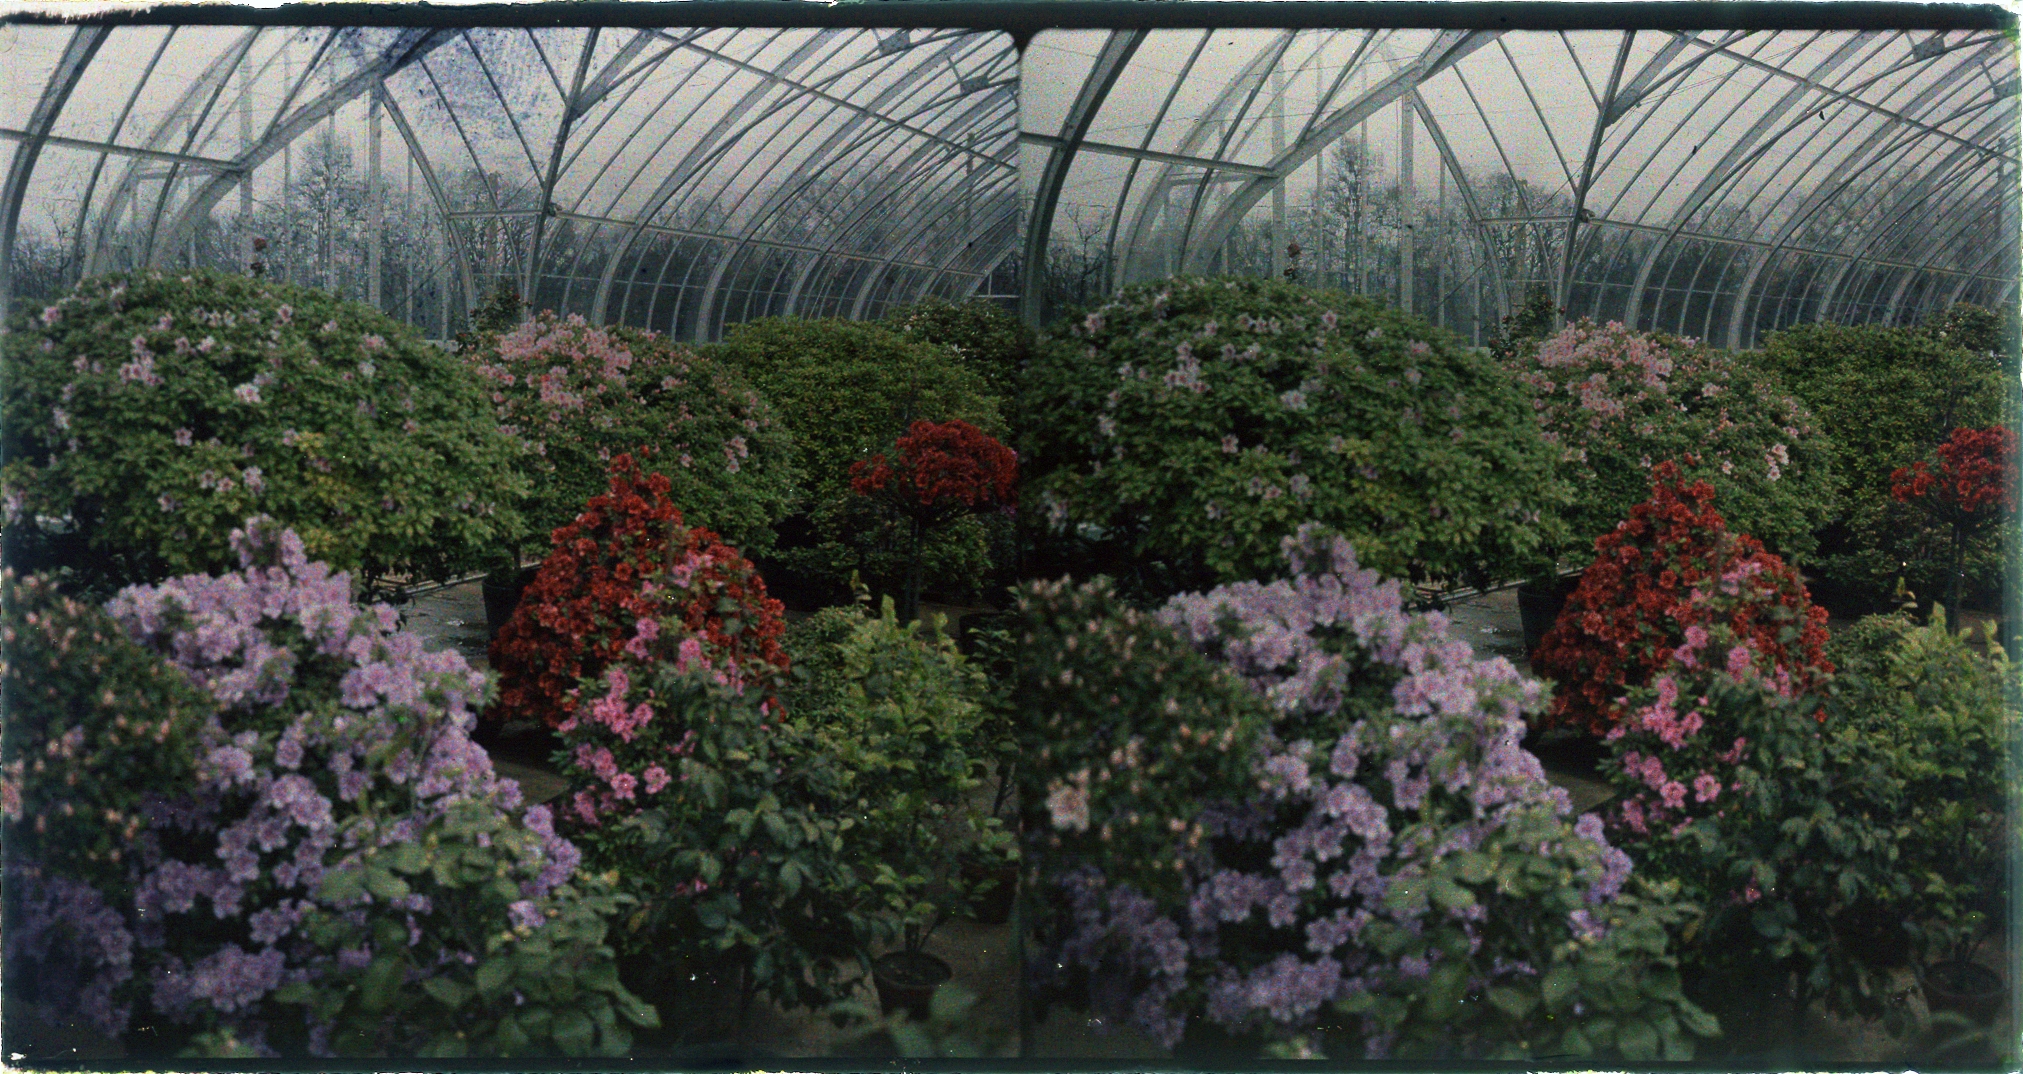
[(847, 391), (146, 416), (739, 866), (1939, 714), (130, 721), (988, 341), (1888, 395), (1186, 428), (899, 711)]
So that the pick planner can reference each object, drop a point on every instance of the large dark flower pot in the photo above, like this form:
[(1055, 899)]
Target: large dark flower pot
[(907, 979), (1539, 606), (502, 598), (1967, 988)]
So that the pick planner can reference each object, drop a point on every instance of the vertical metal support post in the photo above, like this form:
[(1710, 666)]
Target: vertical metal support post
[(328, 245), (1320, 197), (375, 203), (407, 247), (1442, 249), (288, 175), (1362, 187), (246, 180), (438, 241), (1406, 221), (1278, 232), (1475, 313)]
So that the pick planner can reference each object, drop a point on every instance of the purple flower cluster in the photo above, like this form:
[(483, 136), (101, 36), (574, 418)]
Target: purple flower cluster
[(74, 947), (1393, 752), (336, 739)]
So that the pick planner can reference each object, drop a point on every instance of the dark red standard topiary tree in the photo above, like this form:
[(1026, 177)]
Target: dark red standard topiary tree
[(943, 471), (627, 558), (1658, 582), (1974, 490)]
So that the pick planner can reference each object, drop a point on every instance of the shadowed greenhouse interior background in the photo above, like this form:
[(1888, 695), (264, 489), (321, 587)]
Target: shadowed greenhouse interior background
[(1718, 184)]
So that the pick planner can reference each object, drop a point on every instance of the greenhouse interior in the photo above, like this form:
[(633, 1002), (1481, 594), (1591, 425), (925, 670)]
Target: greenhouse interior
[(1167, 536)]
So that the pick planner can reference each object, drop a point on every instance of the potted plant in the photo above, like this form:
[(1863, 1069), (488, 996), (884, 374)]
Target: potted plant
[(898, 709), (1972, 493), (1311, 823), (1938, 714), (940, 473), (145, 416), (1943, 375), (848, 389)]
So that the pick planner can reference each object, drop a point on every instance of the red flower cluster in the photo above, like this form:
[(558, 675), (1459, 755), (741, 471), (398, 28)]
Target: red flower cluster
[(1977, 469), (627, 557), (1659, 580), (943, 469)]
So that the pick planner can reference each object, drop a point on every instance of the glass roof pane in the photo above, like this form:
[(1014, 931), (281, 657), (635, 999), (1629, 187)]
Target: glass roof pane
[(1672, 179)]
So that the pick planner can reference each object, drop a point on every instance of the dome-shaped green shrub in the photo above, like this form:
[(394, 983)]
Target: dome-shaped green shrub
[(847, 390), (583, 395), (146, 416), (982, 336), (1197, 423)]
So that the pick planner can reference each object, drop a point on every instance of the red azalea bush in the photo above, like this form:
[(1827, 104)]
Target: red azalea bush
[(1659, 581), (1974, 489), (944, 471), (1977, 471), (945, 468), (603, 579)]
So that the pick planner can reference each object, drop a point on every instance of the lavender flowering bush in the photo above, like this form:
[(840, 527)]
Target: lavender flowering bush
[(1392, 876), (145, 416), (344, 873)]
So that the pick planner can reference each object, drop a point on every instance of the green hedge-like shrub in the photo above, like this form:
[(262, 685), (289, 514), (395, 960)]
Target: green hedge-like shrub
[(847, 390), (988, 341), (1889, 395), (146, 416), (1187, 427), (1940, 713), (900, 712), (582, 395), (1617, 402)]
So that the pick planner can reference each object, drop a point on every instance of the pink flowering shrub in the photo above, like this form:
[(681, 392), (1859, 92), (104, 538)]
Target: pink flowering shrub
[(1178, 433), (720, 815), (1733, 782), (580, 395), (1393, 876), (145, 416), (1616, 401), (342, 873)]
